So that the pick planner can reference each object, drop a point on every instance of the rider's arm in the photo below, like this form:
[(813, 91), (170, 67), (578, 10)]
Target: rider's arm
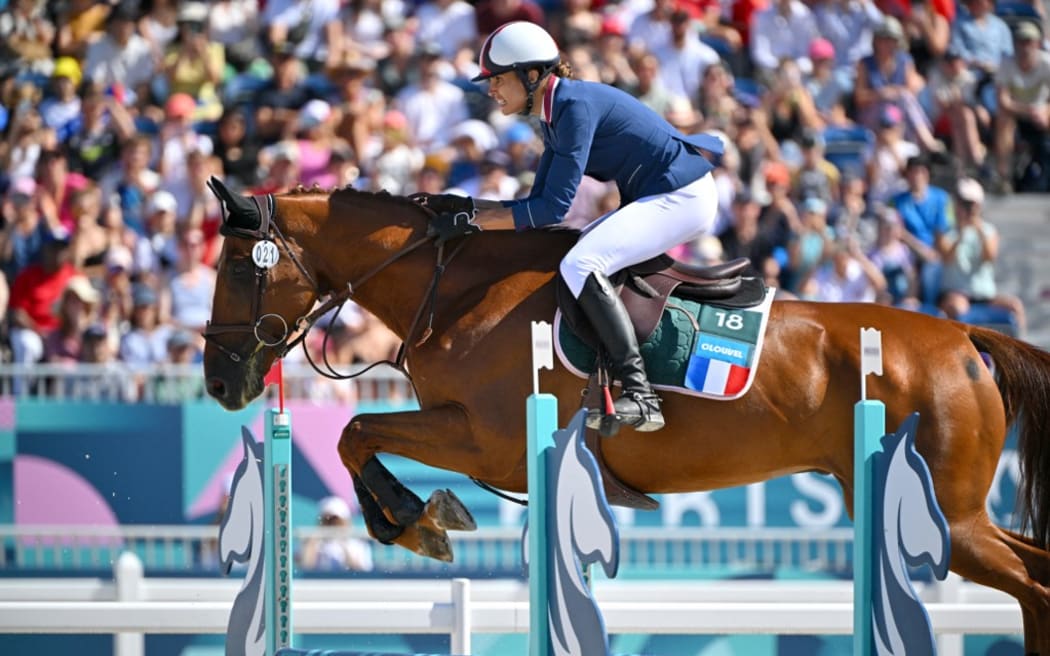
[(492, 215), (561, 169)]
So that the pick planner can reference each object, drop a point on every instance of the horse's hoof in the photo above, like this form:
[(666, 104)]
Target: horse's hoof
[(435, 544), (446, 511)]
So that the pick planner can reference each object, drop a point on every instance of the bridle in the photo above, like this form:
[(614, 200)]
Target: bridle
[(263, 338), (285, 342)]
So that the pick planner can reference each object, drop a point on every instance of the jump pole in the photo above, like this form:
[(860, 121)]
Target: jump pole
[(869, 425), (541, 421), (277, 532), (277, 540)]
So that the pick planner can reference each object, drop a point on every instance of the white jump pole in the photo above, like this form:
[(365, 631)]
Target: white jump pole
[(869, 425), (542, 421)]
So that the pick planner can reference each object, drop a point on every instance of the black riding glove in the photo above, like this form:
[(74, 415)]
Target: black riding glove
[(449, 225), (442, 203)]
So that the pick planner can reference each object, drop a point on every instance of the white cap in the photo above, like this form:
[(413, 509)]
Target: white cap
[(286, 150), (83, 288), (314, 113), (192, 12), (335, 507), (119, 257), (480, 132), (161, 201), (970, 190)]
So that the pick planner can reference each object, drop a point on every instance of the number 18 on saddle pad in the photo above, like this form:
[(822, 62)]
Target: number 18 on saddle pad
[(697, 349), (724, 351)]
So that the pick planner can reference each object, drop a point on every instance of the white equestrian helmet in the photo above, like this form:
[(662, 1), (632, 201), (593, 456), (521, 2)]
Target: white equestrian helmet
[(518, 45)]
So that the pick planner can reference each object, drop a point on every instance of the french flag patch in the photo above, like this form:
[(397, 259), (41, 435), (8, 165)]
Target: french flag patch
[(719, 366)]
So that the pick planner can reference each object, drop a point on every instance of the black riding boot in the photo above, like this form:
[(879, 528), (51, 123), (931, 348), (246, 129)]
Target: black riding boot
[(638, 406)]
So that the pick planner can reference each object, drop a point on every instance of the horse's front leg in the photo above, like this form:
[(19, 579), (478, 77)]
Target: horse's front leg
[(392, 512)]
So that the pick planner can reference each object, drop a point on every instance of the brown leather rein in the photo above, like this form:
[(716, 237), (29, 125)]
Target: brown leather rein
[(285, 342)]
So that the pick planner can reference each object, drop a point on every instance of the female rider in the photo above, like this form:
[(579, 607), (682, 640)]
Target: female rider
[(667, 193)]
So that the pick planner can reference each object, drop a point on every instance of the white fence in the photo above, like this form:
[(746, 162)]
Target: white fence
[(133, 605), (653, 552), (172, 383)]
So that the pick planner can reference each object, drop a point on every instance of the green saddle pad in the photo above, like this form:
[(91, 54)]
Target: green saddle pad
[(701, 349), (666, 352)]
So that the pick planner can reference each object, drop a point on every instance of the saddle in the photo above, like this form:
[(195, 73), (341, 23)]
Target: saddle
[(646, 288)]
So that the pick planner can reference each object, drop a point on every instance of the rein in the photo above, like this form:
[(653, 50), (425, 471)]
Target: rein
[(339, 300)]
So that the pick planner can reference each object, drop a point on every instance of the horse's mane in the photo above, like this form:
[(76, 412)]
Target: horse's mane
[(350, 194)]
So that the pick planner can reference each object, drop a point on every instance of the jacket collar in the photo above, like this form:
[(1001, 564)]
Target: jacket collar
[(547, 109)]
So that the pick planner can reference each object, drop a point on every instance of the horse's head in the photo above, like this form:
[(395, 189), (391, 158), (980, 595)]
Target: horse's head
[(262, 289), (580, 502), (909, 500), (239, 538)]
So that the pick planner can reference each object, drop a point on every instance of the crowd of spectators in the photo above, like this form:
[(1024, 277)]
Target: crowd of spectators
[(835, 112)]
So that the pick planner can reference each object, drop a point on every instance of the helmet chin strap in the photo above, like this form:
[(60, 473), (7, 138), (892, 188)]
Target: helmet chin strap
[(530, 88)]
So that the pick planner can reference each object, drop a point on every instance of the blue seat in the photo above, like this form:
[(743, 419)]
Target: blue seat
[(719, 45), (1008, 9), (1014, 13), (747, 91), (241, 89), (991, 316), (848, 148), (146, 126)]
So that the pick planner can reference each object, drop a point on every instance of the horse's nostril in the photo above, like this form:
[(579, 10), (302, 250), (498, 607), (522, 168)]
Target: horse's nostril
[(216, 387)]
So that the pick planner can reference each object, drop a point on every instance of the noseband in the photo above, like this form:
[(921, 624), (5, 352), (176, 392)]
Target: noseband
[(264, 338)]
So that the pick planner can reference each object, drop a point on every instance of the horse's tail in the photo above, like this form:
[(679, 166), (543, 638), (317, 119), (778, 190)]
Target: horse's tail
[(1022, 372)]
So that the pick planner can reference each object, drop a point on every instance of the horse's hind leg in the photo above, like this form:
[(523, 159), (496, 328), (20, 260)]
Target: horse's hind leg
[(393, 513), (986, 554), (1036, 559), (1037, 562)]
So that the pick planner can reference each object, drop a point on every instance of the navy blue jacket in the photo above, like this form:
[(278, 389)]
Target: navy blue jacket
[(599, 130)]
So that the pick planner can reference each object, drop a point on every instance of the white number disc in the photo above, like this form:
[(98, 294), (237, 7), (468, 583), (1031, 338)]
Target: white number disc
[(265, 254)]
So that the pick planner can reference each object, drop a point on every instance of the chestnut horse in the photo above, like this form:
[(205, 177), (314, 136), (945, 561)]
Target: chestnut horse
[(473, 373)]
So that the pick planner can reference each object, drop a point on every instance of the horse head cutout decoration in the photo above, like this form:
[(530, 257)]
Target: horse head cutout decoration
[(911, 531), (241, 541), (581, 532)]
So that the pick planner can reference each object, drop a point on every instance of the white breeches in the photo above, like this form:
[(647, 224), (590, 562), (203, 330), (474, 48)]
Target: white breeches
[(641, 230)]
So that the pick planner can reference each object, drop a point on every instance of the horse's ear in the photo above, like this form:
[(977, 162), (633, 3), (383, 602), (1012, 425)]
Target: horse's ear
[(240, 212), (252, 451)]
